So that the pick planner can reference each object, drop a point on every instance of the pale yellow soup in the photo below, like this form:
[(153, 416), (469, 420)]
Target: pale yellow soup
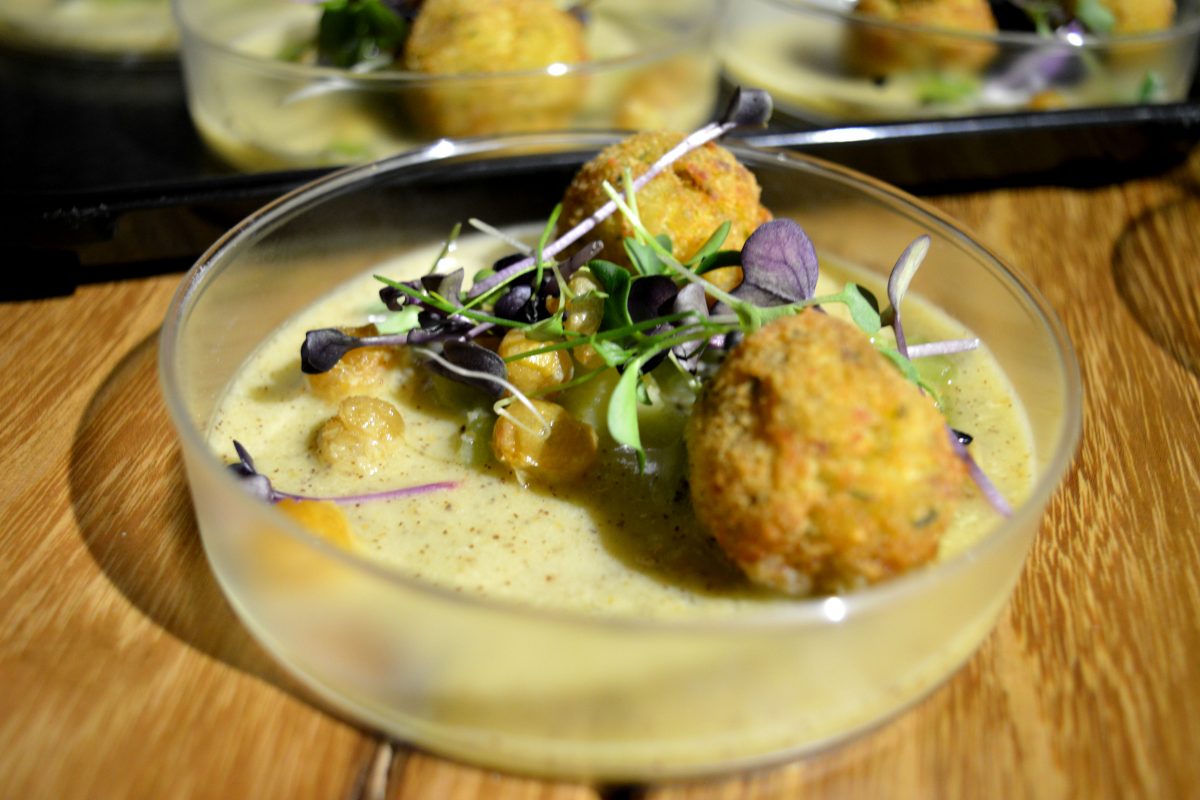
[(618, 542)]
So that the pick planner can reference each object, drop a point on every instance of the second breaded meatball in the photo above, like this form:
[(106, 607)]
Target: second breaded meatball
[(815, 464), (480, 38), (688, 201), (877, 50)]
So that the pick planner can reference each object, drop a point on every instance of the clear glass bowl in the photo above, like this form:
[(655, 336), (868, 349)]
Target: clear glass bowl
[(570, 694), (105, 28), (823, 64), (652, 67)]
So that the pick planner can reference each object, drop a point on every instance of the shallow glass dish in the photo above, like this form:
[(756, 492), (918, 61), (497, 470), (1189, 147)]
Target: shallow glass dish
[(104, 28), (543, 690), (823, 64), (651, 66)]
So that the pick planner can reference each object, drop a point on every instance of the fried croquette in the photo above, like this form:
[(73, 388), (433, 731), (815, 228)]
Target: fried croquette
[(1137, 16), (480, 38), (815, 465), (879, 51), (687, 201)]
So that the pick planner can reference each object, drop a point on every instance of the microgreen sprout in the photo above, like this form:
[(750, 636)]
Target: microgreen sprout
[(260, 485), (748, 107)]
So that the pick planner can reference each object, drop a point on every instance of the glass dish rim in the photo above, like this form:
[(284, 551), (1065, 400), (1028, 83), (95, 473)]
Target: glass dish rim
[(797, 613), (1183, 28), (703, 27)]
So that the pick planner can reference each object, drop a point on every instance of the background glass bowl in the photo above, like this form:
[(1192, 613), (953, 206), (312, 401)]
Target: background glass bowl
[(799, 51), (569, 694), (106, 28), (652, 67)]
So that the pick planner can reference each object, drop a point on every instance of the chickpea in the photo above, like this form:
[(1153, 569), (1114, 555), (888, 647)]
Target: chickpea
[(560, 451), (538, 373), (585, 312), (361, 436), (359, 370), (321, 517)]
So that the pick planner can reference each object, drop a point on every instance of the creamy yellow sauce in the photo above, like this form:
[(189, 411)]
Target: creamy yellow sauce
[(618, 543)]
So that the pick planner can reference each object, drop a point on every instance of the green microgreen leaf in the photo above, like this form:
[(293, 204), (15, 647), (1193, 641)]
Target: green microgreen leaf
[(613, 353), (909, 371), (615, 281), (1152, 89), (1095, 15), (354, 32), (711, 246), (643, 258), (546, 330), (721, 258), (401, 321), (622, 408)]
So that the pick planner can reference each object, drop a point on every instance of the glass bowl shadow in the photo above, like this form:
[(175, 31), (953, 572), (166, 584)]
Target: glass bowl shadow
[(564, 694)]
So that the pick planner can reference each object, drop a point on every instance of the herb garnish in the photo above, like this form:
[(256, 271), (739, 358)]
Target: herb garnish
[(657, 309), (260, 485)]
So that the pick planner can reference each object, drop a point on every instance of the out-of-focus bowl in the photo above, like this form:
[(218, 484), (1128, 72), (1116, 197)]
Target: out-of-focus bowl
[(554, 692), (816, 60), (651, 66), (105, 28)]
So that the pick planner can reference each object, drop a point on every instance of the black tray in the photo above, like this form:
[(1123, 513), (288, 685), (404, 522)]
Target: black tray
[(105, 177)]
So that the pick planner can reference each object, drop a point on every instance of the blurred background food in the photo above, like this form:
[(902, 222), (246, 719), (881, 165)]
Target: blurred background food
[(829, 60), (114, 28), (274, 84)]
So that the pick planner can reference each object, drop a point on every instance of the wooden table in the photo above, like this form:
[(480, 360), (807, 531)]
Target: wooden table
[(123, 672)]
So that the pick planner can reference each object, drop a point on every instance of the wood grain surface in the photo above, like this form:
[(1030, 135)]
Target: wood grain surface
[(124, 674)]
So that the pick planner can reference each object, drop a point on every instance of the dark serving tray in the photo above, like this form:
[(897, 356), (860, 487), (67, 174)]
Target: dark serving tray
[(104, 176)]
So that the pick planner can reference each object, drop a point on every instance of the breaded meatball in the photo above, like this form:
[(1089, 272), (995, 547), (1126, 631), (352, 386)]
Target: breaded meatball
[(1138, 16), (485, 37), (687, 201), (877, 51), (815, 465)]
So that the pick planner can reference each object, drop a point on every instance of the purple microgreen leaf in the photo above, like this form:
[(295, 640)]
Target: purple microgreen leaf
[(986, 487), (259, 485), (650, 296), (711, 245), (582, 256), (748, 108), (324, 348), (515, 304), (448, 286), (898, 282), (779, 265), (942, 348), (469, 363), (690, 299)]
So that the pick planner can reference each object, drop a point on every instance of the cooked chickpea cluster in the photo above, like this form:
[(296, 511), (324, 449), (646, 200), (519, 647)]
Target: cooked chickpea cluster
[(361, 436)]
